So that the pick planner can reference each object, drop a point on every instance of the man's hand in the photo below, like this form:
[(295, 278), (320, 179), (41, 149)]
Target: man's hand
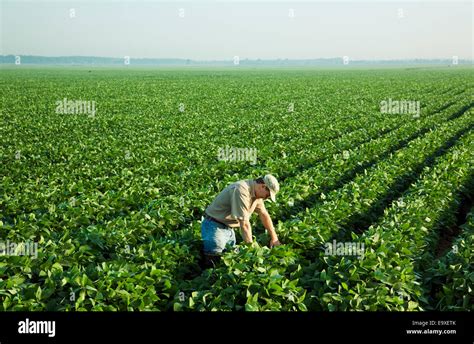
[(274, 243), (268, 224)]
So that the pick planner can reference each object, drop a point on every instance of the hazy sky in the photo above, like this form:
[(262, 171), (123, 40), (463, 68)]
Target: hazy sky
[(204, 30)]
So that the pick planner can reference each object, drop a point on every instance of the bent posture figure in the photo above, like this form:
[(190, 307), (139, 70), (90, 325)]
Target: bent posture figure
[(232, 209)]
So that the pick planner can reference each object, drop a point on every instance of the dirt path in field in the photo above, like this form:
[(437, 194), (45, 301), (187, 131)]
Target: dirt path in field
[(448, 235)]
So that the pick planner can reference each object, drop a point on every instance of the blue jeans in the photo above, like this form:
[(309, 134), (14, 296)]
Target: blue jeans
[(216, 237)]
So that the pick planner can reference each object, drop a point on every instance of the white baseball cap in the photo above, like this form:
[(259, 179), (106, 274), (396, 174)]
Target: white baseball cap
[(272, 184)]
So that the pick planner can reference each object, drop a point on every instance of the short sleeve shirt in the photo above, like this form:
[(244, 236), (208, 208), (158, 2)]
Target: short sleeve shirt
[(236, 202)]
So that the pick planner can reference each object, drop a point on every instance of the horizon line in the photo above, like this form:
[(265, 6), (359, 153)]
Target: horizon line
[(243, 59)]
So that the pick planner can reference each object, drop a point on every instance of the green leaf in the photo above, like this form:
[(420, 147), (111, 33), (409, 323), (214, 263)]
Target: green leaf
[(57, 267), (412, 305), (38, 293)]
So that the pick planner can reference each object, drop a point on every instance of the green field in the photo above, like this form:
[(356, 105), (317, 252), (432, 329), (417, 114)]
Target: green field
[(113, 199)]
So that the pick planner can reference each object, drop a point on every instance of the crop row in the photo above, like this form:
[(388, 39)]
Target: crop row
[(386, 277)]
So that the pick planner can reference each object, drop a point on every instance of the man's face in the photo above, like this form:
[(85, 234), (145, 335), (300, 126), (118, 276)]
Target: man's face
[(262, 191)]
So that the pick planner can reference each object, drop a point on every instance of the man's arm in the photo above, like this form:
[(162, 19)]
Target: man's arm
[(246, 230), (268, 224)]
